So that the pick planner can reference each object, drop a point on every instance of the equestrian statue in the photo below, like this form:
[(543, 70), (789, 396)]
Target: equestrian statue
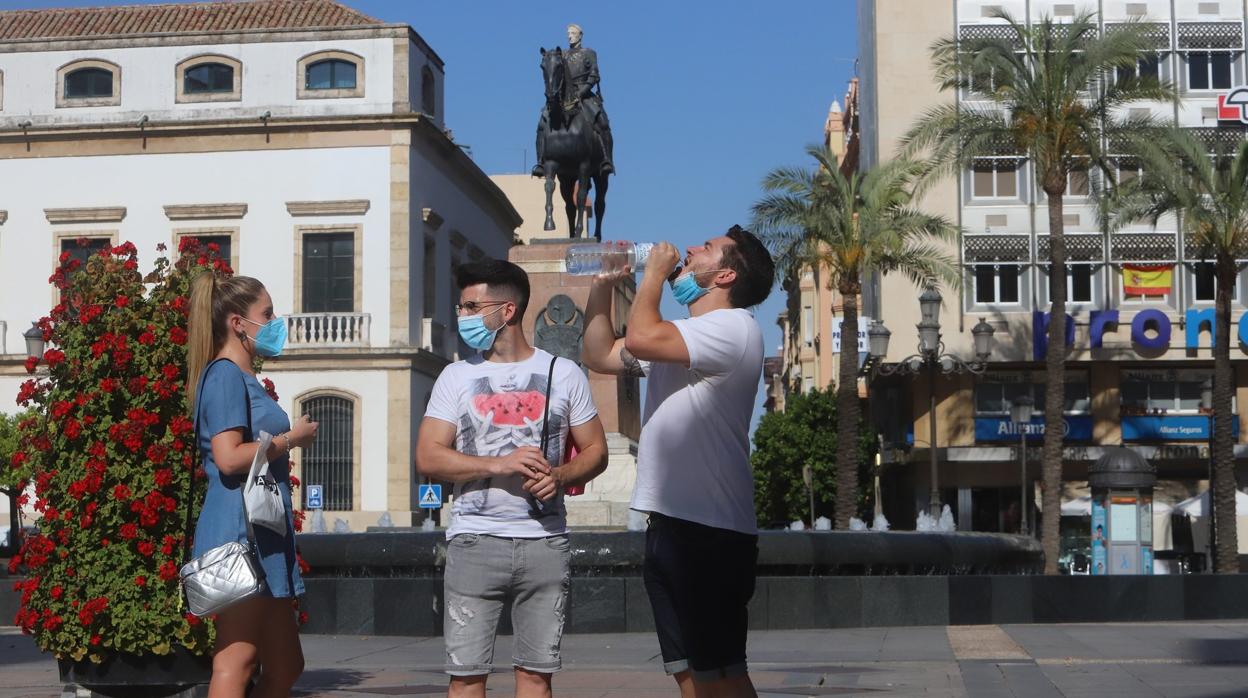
[(574, 143)]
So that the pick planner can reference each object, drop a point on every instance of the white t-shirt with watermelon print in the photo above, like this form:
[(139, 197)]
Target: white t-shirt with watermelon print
[(496, 408)]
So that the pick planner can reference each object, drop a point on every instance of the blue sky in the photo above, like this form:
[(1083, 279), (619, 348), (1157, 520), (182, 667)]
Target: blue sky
[(704, 96)]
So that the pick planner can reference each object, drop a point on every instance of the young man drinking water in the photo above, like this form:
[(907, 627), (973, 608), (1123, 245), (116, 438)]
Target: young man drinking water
[(693, 459), (487, 422)]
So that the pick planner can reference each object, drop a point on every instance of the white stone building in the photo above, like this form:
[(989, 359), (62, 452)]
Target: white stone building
[(303, 135)]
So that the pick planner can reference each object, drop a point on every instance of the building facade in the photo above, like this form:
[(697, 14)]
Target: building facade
[(306, 139), (1139, 298)]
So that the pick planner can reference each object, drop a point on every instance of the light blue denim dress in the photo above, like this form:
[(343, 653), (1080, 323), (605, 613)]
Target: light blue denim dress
[(222, 392)]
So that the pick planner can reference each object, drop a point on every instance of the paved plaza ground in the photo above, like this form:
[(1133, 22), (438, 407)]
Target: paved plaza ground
[(1186, 659)]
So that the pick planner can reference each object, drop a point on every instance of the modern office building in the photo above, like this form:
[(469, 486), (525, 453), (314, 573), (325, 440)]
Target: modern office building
[(1139, 298)]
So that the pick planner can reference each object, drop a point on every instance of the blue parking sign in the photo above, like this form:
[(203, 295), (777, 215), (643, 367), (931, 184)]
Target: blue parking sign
[(430, 496), (314, 497)]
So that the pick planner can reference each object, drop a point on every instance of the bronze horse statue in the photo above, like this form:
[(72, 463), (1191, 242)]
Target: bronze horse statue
[(573, 152)]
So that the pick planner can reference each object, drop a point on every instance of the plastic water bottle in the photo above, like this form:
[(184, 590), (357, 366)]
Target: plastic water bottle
[(606, 257)]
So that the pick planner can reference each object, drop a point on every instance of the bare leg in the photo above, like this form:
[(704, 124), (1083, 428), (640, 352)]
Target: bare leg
[(531, 684), (281, 655), (735, 687), (684, 680), (237, 651), (467, 686)]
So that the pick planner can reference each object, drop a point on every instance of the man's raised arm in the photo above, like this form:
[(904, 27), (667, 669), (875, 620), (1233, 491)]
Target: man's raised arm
[(601, 350)]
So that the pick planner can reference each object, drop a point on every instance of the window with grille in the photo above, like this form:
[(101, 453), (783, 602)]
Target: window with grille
[(330, 460), (328, 272)]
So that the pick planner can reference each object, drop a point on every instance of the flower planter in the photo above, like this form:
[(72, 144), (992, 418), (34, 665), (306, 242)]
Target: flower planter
[(139, 675)]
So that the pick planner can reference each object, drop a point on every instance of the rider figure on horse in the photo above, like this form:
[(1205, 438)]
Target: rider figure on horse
[(582, 76)]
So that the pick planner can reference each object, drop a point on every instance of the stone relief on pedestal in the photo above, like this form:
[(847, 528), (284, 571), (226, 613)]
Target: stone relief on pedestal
[(559, 327)]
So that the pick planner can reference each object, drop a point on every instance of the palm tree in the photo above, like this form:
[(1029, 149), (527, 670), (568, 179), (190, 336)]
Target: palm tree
[(1045, 96), (848, 226), (1209, 193)]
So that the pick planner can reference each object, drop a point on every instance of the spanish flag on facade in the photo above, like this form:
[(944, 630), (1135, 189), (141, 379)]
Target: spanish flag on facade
[(1147, 280)]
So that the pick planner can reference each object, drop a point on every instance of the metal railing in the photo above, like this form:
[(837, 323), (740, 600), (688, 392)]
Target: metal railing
[(328, 329)]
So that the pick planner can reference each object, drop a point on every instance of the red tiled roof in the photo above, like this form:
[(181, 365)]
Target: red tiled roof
[(194, 17)]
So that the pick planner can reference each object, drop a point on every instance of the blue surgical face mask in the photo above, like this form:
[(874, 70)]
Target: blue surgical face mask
[(270, 339), (686, 289), (473, 331)]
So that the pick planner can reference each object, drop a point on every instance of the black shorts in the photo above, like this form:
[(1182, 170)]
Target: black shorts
[(700, 580)]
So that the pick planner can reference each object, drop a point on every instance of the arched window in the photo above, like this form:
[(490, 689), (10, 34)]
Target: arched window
[(332, 74), (330, 460), (208, 77), (428, 92), (89, 82)]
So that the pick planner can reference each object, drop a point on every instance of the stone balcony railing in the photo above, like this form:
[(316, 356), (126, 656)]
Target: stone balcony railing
[(328, 330)]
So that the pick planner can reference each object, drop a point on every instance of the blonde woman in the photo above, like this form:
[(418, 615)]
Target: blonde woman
[(231, 323)]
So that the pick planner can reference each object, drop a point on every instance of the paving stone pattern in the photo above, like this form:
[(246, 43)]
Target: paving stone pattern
[(1135, 660)]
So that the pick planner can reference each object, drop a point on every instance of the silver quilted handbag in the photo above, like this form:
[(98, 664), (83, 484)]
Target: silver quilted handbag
[(221, 578), (228, 573)]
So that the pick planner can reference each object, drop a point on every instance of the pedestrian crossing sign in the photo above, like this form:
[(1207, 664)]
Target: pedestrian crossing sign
[(430, 496)]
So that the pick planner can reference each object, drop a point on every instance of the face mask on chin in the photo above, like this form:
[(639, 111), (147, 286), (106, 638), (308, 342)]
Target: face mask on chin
[(475, 334), (685, 288)]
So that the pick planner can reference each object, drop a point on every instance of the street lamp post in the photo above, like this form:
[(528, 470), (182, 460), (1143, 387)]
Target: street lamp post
[(1020, 414), (930, 357), (1206, 406)]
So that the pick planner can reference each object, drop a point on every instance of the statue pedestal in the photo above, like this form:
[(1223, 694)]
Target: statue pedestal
[(554, 322)]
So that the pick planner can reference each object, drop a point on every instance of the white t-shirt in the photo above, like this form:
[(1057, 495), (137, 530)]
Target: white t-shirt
[(497, 408), (693, 460)]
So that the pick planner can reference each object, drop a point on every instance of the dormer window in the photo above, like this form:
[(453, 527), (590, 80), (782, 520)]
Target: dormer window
[(88, 83), (331, 74)]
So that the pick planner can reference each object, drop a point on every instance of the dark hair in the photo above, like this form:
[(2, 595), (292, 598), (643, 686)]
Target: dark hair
[(755, 271), (500, 276)]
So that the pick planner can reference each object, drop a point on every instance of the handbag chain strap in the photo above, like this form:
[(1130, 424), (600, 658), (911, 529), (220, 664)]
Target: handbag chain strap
[(195, 459)]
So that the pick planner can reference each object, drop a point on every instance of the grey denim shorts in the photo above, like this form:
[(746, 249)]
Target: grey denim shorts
[(482, 574)]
